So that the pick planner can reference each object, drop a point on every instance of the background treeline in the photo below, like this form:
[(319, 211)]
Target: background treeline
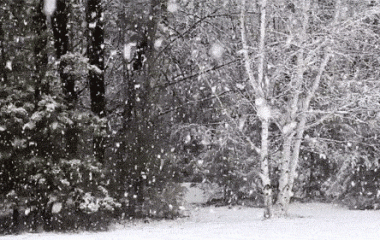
[(107, 106)]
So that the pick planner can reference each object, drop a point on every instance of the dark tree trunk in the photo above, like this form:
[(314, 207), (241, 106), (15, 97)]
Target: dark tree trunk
[(137, 133), (15, 219), (40, 55), (96, 74), (3, 76), (61, 43), (128, 79), (59, 22)]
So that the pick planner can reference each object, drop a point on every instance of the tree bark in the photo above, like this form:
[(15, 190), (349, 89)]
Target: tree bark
[(291, 149), (4, 76), (285, 186), (15, 219), (264, 161), (128, 79), (40, 55), (263, 110), (95, 51), (264, 169), (283, 198), (60, 20), (302, 122)]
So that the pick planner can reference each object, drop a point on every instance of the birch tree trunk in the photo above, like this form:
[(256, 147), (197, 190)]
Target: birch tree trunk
[(301, 127), (302, 122), (298, 119), (262, 108), (302, 89), (285, 186)]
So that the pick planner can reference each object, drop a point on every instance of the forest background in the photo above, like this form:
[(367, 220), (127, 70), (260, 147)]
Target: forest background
[(107, 106)]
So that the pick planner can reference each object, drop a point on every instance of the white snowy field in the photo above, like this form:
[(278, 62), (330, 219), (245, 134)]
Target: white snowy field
[(308, 221)]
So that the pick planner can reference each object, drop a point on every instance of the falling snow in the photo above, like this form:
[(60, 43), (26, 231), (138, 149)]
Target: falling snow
[(158, 43), (217, 51), (49, 7), (195, 91), (172, 6), (240, 86), (129, 50), (113, 53), (9, 65), (92, 25)]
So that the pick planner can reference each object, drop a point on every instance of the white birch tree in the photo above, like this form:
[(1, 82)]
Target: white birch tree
[(298, 54)]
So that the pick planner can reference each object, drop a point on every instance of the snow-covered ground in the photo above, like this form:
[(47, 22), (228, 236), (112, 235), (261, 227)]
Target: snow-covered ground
[(308, 221)]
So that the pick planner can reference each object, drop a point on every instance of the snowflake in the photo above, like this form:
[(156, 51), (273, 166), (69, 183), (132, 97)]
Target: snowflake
[(128, 50), (217, 51), (158, 43), (49, 7), (172, 6)]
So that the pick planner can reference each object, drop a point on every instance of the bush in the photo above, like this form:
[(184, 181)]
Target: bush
[(314, 170), (165, 201), (78, 186), (363, 187), (218, 156)]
